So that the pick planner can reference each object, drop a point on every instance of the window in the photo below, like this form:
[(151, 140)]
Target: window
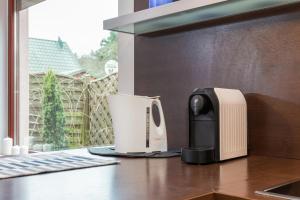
[(66, 68)]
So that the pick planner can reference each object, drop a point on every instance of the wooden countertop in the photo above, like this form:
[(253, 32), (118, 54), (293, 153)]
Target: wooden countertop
[(154, 179)]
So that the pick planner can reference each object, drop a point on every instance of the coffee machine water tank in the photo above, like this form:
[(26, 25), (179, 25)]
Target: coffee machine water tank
[(217, 126)]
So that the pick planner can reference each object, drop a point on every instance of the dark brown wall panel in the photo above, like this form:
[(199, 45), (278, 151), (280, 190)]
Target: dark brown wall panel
[(261, 57), (140, 5)]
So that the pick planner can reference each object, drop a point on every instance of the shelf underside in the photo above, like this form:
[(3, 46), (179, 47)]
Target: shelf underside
[(163, 18)]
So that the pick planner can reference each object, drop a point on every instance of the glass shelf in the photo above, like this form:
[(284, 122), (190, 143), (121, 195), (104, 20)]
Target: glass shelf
[(23, 4), (187, 12)]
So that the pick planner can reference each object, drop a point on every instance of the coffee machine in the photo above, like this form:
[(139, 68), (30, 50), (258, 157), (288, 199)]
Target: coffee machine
[(217, 126)]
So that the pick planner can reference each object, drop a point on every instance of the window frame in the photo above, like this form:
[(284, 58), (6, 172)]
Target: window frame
[(11, 67), (14, 17)]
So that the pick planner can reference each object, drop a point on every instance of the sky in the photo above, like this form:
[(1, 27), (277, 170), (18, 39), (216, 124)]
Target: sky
[(77, 22)]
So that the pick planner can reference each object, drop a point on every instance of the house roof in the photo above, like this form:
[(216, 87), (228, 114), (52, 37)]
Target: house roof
[(50, 54)]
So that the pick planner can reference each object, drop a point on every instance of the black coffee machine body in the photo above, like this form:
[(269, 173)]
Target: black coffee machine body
[(211, 128)]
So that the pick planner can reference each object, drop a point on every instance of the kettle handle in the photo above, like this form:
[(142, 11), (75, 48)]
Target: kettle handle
[(161, 129)]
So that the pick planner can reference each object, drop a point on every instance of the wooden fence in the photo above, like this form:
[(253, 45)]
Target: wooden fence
[(88, 121), (101, 132)]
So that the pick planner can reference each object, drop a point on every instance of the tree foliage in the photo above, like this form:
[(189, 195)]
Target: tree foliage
[(95, 61), (53, 112)]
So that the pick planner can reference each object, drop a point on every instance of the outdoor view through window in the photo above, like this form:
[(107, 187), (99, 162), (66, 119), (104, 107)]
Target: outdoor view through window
[(73, 66)]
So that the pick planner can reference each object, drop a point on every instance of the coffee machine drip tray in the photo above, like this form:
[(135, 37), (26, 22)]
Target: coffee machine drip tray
[(200, 155), (289, 191)]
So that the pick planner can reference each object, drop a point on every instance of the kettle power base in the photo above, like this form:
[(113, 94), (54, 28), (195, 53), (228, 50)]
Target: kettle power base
[(110, 152), (198, 155)]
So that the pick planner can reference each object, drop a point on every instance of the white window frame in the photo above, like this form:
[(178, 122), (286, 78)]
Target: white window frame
[(126, 53), (22, 78)]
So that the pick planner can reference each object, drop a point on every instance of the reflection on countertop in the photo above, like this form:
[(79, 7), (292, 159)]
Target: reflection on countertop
[(155, 179)]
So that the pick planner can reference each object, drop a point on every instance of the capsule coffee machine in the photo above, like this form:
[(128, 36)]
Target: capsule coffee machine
[(217, 126)]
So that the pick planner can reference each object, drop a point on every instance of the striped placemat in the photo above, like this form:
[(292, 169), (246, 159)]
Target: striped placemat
[(16, 166)]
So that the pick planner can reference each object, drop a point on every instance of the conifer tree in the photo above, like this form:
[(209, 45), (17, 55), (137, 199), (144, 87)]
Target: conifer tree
[(53, 112)]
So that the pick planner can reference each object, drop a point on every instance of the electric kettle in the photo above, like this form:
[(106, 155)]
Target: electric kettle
[(134, 126)]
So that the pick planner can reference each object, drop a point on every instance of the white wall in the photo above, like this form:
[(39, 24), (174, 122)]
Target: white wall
[(126, 53), (3, 68)]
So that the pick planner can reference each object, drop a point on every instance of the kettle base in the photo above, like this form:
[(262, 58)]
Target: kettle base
[(198, 155)]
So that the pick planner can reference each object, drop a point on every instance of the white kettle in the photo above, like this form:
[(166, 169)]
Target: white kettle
[(133, 124)]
